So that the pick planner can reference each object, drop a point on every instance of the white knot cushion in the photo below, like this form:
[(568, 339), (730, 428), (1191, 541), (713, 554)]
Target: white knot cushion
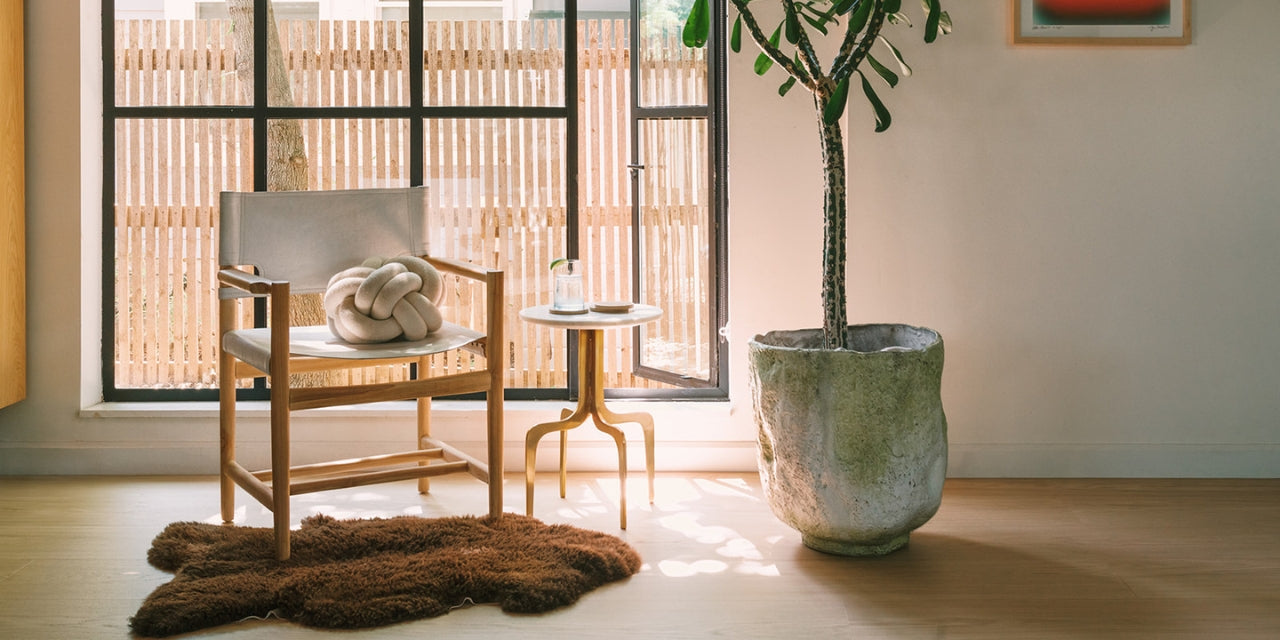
[(384, 299)]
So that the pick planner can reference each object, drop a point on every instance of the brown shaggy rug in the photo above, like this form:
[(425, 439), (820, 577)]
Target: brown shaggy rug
[(364, 573)]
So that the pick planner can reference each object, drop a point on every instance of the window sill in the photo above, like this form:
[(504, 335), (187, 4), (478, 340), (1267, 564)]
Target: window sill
[(456, 408)]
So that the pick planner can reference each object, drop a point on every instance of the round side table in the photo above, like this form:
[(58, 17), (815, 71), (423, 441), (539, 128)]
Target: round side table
[(591, 326)]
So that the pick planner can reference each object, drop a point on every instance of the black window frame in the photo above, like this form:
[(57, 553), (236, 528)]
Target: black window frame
[(416, 114)]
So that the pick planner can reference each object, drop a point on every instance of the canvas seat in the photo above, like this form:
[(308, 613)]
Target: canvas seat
[(294, 243)]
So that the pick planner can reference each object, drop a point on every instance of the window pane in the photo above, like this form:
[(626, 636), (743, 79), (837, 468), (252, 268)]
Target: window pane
[(675, 243), (168, 174), (671, 74), (340, 63), (604, 126), (498, 191), (283, 9), (163, 61), (324, 154), (518, 62)]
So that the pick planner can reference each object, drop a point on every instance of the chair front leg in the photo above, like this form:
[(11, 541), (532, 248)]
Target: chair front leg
[(280, 469), (279, 378), (226, 414), (495, 360)]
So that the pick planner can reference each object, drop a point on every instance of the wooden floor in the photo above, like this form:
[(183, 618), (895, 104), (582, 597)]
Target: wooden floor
[(1002, 559)]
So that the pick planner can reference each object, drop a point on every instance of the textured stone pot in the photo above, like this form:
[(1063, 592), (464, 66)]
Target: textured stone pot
[(853, 443)]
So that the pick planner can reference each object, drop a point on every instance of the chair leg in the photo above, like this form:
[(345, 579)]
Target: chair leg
[(494, 408), (227, 434), (280, 461), (424, 431), (227, 486)]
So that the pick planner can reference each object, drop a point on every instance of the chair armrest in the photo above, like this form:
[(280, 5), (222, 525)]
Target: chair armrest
[(494, 293), (240, 279), (460, 268), (277, 292)]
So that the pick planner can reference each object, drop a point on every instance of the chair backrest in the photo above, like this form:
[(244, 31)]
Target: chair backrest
[(307, 236)]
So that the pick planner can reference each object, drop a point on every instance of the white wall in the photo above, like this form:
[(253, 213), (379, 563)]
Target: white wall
[(1093, 230)]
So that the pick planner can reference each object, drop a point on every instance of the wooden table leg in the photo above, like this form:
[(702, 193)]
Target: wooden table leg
[(531, 449), (591, 405), (645, 421)]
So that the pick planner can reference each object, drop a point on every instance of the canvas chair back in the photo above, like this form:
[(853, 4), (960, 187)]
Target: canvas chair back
[(307, 236)]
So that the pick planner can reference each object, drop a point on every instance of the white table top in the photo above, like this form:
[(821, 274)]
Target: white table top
[(638, 314)]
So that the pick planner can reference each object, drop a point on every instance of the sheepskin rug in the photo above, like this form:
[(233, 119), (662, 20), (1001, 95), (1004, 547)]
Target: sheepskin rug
[(365, 573)]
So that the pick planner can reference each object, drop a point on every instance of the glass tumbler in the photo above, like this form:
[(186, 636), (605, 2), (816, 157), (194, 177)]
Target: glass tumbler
[(568, 295)]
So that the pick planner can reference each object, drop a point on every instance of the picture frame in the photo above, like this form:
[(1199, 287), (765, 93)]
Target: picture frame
[(1101, 22)]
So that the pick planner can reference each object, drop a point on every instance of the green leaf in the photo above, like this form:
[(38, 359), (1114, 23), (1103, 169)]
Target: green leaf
[(763, 61), (931, 22), (786, 86), (835, 106), (858, 19), (842, 6), (883, 120), (903, 67), (811, 11), (763, 64), (889, 76), (892, 6), (944, 23), (818, 24), (735, 38), (697, 27), (793, 26)]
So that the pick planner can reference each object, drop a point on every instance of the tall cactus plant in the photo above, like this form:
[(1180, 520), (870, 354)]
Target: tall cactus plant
[(790, 47)]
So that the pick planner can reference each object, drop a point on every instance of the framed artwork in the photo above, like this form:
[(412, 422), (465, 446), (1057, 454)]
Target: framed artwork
[(1127, 22)]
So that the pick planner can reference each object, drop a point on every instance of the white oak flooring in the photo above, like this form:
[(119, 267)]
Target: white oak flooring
[(1002, 559)]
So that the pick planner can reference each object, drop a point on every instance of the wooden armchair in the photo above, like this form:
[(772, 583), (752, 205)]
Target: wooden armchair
[(296, 241)]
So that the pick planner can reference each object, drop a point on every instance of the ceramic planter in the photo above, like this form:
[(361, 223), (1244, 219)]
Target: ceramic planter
[(852, 443)]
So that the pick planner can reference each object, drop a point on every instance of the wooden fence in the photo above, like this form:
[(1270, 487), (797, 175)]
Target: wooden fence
[(498, 186)]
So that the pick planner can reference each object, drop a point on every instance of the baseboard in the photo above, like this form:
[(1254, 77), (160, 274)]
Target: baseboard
[(200, 458), (1053, 460), (592, 454)]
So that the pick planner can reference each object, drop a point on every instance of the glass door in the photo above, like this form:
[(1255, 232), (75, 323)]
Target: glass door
[(677, 203)]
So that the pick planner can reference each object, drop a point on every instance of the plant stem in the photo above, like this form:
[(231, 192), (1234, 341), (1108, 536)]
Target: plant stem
[(834, 216)]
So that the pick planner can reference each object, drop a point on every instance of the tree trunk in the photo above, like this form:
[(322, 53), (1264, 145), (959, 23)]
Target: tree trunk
[(834, 232), (286, 151)]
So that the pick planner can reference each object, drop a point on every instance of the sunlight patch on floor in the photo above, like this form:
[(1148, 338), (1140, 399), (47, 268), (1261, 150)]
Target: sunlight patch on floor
[(677, 498), (679, 569)]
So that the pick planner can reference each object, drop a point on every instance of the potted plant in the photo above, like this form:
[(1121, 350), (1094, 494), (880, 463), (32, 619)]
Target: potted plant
[(852, 436)]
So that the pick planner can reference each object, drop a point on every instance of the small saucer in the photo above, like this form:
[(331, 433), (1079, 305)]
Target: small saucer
[(612, 307)]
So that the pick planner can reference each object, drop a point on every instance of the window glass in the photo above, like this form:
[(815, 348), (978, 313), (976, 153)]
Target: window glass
[(193, 61), (168, 176), (475, 61), (670, 73), (526, 161)]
